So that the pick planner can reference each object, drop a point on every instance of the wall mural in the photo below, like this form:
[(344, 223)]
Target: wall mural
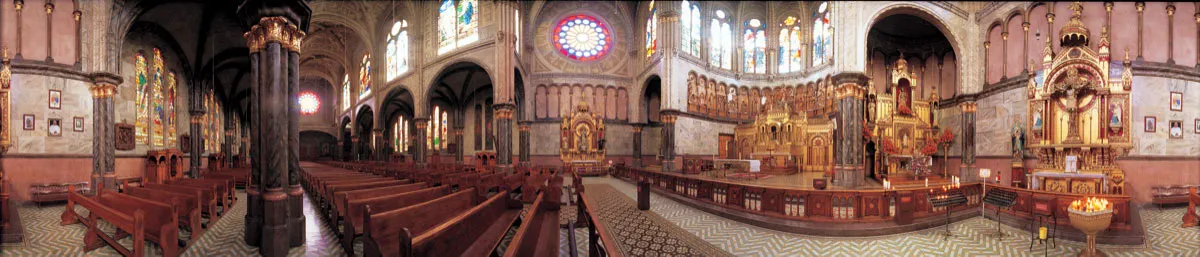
[(709, 98)]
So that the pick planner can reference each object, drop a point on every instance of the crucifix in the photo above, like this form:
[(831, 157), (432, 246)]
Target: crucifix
[(1072, 89)]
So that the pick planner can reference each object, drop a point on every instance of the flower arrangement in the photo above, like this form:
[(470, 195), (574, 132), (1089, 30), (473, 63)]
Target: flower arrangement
[(930, 147), (888, 146), (904, 110)]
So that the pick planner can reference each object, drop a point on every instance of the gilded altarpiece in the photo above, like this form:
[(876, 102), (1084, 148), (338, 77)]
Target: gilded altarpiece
[(582, 141), (900, 124), (1079, 112), (787, 140)]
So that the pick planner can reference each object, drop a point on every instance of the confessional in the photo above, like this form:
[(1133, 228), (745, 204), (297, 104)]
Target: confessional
[(164, 165)]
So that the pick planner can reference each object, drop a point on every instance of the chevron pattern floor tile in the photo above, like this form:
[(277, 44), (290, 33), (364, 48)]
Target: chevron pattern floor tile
[(45, 237), (1164, 237)]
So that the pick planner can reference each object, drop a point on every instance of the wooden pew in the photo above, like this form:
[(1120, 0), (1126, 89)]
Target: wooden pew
[(340, 198), (538, 235), (600, 243), (94, 237), (355, 215), (187, 205), (452, 225), (208, 198), (153, 221), (224, 185), (332, 189)]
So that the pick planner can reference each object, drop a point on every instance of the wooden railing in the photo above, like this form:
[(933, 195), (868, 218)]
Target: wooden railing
[(1024, 205), (802, 204)]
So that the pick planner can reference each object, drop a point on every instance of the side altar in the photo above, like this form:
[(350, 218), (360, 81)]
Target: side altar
[(582, 142), (901, 129), (1078, 115)]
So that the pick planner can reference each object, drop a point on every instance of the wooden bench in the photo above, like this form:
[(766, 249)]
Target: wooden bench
[(340, 198), (355, 209), (538, 234), (140, 218), (228, 192), (1176, 194), (188, 207), (54, 192), (600, 243), (452, 225), (208, 198)]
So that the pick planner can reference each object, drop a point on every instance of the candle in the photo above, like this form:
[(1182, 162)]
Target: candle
[(926, 182), (1042, 233)]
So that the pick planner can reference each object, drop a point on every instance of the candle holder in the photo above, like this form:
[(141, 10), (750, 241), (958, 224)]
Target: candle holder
[(1090, 217)]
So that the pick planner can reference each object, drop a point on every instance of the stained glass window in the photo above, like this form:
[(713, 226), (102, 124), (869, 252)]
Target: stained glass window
[(754, 40), (169, 120), (721, 51), (364, 77), (309, 103), (458, 24), (790, 46), (652, 31), (157, 110), (346, 92), (517, 27), (143, 100), (582, 37), (397, 50), (690, 21), (437, 129), (212, 123), (400, 134), (822, 35)]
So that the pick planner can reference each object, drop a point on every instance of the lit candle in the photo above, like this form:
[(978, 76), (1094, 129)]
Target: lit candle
[(926, 182)]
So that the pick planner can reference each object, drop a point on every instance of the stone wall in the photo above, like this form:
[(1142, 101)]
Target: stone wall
[(30, 96), (698, 137)]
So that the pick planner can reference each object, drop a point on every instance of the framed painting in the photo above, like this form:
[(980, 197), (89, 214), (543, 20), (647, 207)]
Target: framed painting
[(1177, 101), (1175, 129), (1197, 124), (1151, 124), (78, 124), (28, 122), (54, 127), (55, 99)]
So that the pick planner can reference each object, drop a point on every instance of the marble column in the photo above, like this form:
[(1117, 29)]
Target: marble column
[(419, 148), (290, 42), (637, 144), (380, 142), (230, 139), (968, 141), (273, 40), (504, 125), (523, 155), (848, 127), (195, 128), (104, 86), (668, 118)]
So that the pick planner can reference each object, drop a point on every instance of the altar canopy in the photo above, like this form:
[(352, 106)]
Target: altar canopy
[(788, 140), (582, 142), (1078, 111)]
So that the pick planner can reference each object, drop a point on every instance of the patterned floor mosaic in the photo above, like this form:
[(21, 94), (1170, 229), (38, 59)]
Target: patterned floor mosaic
[(1164, 237)]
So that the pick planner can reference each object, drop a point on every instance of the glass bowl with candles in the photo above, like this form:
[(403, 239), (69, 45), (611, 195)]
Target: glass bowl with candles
[(1090, 216)]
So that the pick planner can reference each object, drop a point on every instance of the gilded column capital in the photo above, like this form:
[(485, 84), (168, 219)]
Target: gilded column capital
[(77, 14), (1141, 6), (1170, 9), (49, 8), (637, 129), (103, 90), (18, 4), (969, 107), (274, 29), (524, 127), (197, 120), (1108, 6)]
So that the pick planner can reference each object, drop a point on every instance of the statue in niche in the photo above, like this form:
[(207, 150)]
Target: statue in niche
[(1072, 88), (1018, 141), (581, 139), (1114, 119), (1037, 120)]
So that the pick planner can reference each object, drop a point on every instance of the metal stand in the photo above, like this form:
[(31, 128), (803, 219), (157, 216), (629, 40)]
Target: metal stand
[(949, 200), (1000, 199)]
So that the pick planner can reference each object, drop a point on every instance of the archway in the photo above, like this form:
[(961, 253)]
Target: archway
[(652, 98), (347, 144), (923, 41), (364, 125), (398, 110), (461, 95)]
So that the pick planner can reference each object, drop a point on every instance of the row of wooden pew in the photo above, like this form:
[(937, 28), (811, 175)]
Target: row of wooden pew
[(430, 212), (151, 212)]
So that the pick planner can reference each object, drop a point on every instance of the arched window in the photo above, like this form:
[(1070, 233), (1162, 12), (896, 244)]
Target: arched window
[(652, 31), (754, 58), (822, 35), (364, 77), (790, 46), (155, 101), (437, 129), (457, 24), (721, 42), (397, 50), (211, 125), (691, 28), (400, 134), (517, 29), (346, 92)]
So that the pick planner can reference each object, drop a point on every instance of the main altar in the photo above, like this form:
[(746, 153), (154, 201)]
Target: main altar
[(787, 141), (902, 128), (582, 142), (1078, 115)]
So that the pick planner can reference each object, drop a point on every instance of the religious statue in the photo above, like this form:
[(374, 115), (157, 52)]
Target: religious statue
[(1114, 119), (1018, 141), (1072, 89), (581, 139)]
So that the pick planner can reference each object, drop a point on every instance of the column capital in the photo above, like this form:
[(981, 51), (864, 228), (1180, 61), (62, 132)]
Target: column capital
[(275, 29), (969, 107), (524, 126), (669, 116)]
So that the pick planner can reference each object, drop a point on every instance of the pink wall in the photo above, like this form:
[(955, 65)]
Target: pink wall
[(1124, 30), (1185, 34), (1037, 24), (33, 30), (931, 77), (949, 76), (608, 101), (64, 32), (9, 24), (994, 56), (1155, 29), (1016, 46)]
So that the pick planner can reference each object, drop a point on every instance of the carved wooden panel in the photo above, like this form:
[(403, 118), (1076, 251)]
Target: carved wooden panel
[(185, 143), (124, 136)]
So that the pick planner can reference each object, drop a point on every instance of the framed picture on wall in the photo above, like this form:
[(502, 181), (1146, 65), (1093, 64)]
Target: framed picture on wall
[(1177, 101), (55, 99), (79, 124), (1175, 129), (1197, 124), (1151, 124), (28, 122), (54, 127)]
